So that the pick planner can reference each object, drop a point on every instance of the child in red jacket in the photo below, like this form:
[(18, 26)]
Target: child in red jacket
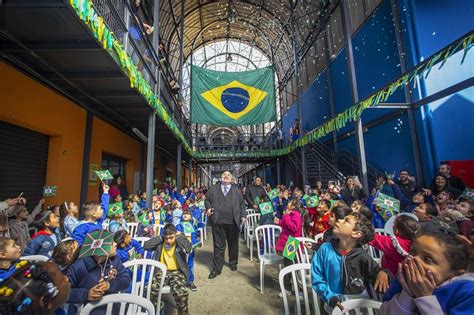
[(396, 247)]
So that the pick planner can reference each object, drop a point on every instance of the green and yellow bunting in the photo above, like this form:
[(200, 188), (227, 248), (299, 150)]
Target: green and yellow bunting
[(49, 191), (266, 207), (291, 248)]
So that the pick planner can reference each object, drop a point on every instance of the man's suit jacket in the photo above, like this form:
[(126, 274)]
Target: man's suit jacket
[(213, 200)]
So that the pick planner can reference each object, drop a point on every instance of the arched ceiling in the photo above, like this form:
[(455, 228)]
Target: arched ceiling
[(264, 24)]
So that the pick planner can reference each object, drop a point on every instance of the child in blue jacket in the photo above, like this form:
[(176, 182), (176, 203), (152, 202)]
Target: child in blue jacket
[(95, 214), (127, 248), (189, 227), (48, 236)]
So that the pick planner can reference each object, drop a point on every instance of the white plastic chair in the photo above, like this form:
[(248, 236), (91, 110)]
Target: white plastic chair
[(302, 254), (319, 237), (247, 212), (129, 304), (35, 258), (310, 297), (132, 229), (373, 252), (142, 288), (142, 240), (157, 228), (356, 305), (204, 222), (381, 232), (268, 255), (105, 224), (252, 223)]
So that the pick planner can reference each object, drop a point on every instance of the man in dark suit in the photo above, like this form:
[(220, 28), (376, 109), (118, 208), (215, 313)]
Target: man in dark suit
[(226, 210)]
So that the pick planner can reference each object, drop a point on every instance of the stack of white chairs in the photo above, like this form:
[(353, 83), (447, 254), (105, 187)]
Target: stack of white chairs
[(251, 223), (266, 237)]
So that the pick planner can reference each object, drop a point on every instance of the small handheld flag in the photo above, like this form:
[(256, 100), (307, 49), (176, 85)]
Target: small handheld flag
[(143, 218), (266, 208), (272, 194), (104, 174), (291, 247), (468, 194), (49, 191), (257, 200), (313, 201), (97, 243), (115, 209)]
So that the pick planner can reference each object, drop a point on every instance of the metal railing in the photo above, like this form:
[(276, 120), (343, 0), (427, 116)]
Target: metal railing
[(130, 32)]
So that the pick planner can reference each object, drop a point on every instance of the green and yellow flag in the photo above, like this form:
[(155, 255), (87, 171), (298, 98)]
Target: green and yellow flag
[(233, 98), (291, 248), (266, 208)]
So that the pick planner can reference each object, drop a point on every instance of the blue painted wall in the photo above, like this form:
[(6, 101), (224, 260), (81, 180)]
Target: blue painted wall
[(444, 128)]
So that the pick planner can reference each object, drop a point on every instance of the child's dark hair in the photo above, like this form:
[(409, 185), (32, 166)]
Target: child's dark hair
[(61, 251), (169, 229), (326, 202), (43, 219), (456, 252), (119, 236), (26, 281), (364, 210), (364, 226), (340, 212), (430, 209), (406, 226), (89, 206)]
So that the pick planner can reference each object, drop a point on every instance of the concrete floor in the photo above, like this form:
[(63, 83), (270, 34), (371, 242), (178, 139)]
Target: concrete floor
[(234, 292)]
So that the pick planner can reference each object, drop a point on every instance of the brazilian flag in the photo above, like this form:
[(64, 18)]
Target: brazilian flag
[(233, 98), (291, 247)]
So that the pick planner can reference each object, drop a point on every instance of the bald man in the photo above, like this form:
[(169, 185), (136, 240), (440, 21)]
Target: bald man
[(226, 210)]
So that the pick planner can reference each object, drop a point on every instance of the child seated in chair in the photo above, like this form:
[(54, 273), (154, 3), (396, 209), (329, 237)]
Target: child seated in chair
[(341, 269), (171, 250), (127, 248)]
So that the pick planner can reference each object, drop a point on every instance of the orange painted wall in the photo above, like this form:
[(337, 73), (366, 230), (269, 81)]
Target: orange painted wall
[(110, 140), (29, 104)]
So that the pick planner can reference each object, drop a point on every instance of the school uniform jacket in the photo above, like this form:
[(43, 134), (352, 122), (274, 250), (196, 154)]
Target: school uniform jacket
[(42, 243), (334, 274), (85, 227)]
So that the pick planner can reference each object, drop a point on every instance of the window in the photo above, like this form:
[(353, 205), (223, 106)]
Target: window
[(114, 164)]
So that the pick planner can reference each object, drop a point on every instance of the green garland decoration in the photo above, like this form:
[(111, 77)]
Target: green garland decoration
[(86, 13)]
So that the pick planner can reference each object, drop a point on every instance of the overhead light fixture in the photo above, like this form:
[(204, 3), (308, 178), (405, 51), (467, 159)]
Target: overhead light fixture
[(140, 135)]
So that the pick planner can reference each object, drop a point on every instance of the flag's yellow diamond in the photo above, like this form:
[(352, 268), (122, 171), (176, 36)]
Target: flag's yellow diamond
[(234, 99)]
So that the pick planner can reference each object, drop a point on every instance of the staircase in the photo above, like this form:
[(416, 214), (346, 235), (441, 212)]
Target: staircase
[(323, 164)]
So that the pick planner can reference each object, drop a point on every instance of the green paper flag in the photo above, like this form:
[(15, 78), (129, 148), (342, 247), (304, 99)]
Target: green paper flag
[(97, 243), (49, 191), (188, 228), (233, 98), (266, 208), (143, 219), (257, 201), (468, 194), (272, 194), (305, 198), (313, 201), (291, 248), (114, 209), (104, 174), (388, 203)]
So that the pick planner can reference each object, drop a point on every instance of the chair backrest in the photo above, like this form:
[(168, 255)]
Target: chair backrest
[(250, 211), (302, 254), (105, 224), (381, 232), (35, 258), (356, 305), (129, 304), (253, 220), (142, 240), (132, 229), (143, 270), (204, 218), (157, 228), (310, 297), (373, 252), (319, 237), (268, 233)]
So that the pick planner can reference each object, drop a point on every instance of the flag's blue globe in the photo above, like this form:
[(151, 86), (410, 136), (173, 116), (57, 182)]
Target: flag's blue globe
[(291, 248), (235, 99)]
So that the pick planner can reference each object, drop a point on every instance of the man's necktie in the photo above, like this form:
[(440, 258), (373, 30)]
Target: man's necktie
[(226, 190)]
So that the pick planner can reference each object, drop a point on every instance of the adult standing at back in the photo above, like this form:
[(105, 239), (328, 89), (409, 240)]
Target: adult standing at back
[(226, 210), (253, 191)]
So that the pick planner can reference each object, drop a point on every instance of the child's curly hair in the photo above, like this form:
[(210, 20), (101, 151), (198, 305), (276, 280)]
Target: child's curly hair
[(364, 226)]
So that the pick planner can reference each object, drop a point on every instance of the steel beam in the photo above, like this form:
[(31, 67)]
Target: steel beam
[(150, 158)]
